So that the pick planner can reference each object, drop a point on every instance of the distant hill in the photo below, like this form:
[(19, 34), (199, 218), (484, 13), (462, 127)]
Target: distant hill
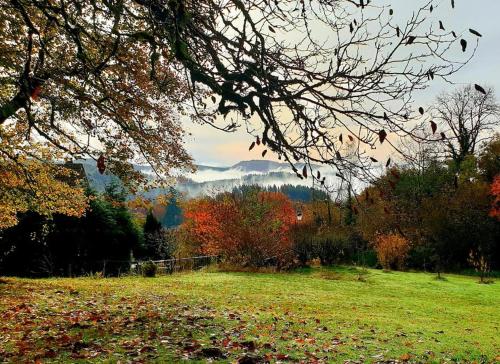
[(209, 180)]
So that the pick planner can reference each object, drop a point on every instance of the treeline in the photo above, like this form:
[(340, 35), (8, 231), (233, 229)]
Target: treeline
[(293, 192), (432, 215), (105, 240), (435, 215)]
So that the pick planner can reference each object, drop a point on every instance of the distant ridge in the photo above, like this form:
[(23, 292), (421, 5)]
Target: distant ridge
[(210, 179)]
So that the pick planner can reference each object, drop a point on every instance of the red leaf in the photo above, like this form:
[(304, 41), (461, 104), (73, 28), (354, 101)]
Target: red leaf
[(382, 135), (433, 127), (101, 165), (36, 92), (480, 89)]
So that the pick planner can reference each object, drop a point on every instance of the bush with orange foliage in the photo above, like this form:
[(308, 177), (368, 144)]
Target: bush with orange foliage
[(252, 229), (495, 192), (391, 250)]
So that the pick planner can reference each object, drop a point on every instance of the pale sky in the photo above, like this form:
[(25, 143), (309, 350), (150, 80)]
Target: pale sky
[(213, 147)]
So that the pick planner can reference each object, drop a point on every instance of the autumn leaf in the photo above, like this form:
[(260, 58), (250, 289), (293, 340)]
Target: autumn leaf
[(101, 165), (433, 127), (382, 135)]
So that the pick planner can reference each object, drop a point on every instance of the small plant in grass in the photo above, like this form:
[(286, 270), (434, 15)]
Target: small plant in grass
[(96, 275), (149, 269), (362, 274), (481, 264)]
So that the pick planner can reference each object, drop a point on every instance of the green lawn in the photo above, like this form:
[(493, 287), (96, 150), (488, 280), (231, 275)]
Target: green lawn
[(317, 315)]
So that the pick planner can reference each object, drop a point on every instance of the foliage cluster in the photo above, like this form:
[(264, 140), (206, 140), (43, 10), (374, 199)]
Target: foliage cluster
[(392, 250), (250, 229), (101, 241)]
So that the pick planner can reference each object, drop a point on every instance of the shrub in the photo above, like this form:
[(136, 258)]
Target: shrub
[(304, 250), (330, 251), (249, 230), (392, 250), (149, 269), (481, 264)]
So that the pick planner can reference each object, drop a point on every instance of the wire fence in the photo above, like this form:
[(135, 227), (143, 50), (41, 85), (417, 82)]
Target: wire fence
[(170, 266)]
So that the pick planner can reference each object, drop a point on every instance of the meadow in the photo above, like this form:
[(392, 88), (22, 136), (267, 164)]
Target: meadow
[(334, 315)]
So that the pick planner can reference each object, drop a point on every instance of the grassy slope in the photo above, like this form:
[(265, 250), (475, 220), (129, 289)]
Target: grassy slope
[(325, 314)]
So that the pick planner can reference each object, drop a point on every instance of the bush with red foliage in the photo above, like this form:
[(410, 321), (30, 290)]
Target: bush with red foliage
[(252, 229), (392, 250), (495, 191)]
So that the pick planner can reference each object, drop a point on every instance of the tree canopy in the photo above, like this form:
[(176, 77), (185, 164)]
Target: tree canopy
[(112, 79)]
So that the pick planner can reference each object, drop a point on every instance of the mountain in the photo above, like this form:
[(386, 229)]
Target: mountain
[(259, 166), (210, 180)]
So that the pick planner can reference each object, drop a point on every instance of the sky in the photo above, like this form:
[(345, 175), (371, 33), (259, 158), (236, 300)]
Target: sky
[(209, 146)]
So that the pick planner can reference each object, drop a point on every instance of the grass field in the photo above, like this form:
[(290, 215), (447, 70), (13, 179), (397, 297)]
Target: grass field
[(316, 315)]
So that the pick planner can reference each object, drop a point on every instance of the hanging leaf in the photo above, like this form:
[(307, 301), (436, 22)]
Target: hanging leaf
[(351, 138), (453, 4), (35, 93), (475, 32), (391, 12), (213, 99), (382, 135), (304, 171), (264, 153), (101, 164), (373, 160), (463, 43), (480, 89), (411, 39), (341, 138), (441, 26), (318, 175), (388, 163), (258, 141), (421, 110), (433, 127), (443, 136), (252, 146), (338, 155), (272, 29)]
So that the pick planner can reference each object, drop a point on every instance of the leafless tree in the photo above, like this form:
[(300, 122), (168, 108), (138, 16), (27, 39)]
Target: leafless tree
[(467, 117), (299, 74)]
